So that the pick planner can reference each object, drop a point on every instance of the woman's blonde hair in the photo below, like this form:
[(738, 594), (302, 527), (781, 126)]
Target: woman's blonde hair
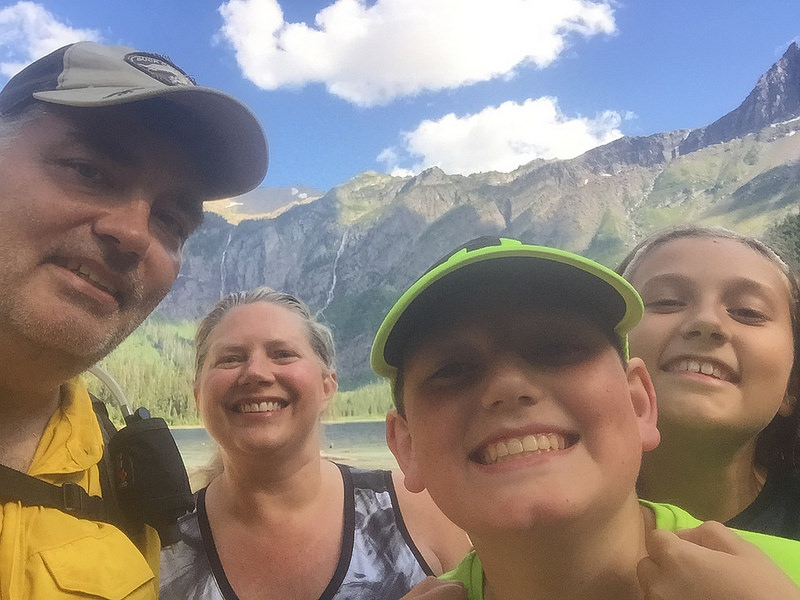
[(319, 335)]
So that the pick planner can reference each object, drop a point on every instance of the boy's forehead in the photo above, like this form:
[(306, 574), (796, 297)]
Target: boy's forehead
[(508, 319)]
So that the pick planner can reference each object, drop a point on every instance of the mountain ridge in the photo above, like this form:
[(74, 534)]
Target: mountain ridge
[(351, 251)]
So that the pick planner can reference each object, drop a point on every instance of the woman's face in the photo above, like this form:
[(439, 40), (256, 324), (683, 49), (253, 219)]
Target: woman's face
[(716, 336), (262, 386)]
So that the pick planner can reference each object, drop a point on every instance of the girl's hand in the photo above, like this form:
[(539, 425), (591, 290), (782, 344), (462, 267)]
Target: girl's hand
[(709, 562)]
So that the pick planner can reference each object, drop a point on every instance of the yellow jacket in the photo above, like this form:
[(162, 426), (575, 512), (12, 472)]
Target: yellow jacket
[(49, 555)]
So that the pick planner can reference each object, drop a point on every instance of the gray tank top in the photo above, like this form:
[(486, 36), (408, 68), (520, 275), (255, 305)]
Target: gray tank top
[(377, 560)]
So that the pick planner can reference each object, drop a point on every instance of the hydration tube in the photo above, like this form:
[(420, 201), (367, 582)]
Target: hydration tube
[(147, 472), (113, 386)]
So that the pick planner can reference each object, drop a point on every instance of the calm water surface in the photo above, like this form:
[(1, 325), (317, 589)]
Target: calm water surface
[(361, 444)]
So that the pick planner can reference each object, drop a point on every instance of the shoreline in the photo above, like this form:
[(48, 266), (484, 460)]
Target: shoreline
[(327, 422)]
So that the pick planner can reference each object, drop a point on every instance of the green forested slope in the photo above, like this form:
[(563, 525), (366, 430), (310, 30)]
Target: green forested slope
[(154, 366), (155, 369)]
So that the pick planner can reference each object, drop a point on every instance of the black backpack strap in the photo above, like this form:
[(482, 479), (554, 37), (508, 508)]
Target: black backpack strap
[(106, 469), (150, 485), (69, 498), (101, 412)]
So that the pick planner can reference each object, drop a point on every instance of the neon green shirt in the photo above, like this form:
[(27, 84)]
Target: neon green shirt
[(785, 553)]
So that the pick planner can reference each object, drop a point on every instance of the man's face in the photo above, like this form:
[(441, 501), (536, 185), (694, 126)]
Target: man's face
[(94, 209), (520, 416)]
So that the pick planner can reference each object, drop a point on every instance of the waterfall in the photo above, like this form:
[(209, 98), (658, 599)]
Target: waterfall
[(329, 299), (222, 266)]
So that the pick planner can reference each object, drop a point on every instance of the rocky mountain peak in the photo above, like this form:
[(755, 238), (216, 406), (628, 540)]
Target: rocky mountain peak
[(775, 98), (351, 252)]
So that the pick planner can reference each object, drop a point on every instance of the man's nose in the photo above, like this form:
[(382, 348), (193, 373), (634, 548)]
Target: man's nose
[(126, 225)]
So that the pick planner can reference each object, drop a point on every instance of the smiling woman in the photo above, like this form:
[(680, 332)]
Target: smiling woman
[(265, 373), (720, 338)]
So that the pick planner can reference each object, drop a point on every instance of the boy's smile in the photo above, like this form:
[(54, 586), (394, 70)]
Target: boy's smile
[(523, 413), (520, 446)]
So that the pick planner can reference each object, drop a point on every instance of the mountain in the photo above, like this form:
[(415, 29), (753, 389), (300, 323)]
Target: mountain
[(350, 252), (262, 203), (775, 98)]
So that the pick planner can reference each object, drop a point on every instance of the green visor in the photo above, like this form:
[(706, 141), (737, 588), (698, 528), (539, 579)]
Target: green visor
[(551, 276)]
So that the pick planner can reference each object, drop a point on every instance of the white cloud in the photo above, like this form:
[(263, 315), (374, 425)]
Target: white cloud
[(28, 31), (372, 52), (499, 138)]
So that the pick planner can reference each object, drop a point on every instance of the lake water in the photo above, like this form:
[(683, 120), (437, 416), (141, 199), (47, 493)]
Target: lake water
[(360, 444)]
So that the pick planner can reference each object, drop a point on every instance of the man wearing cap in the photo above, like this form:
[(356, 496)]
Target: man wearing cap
[(520, 412), (106, 155)]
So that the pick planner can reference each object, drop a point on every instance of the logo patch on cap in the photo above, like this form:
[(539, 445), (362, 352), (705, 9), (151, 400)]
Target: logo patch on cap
[(159, 68)]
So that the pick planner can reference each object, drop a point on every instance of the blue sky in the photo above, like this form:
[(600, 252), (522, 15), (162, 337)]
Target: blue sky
[(396, 86)]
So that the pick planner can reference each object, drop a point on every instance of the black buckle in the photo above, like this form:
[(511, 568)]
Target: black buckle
[(72, 497)]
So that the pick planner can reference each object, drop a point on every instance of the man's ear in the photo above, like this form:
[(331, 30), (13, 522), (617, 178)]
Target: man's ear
[(398, 437), (643, 398)]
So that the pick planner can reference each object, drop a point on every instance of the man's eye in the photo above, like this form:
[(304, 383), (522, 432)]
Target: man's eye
[(85, 170), (177, 225)]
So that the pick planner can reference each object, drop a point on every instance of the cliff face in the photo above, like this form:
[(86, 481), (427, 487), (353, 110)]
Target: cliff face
[(775, 98), (351, 252)]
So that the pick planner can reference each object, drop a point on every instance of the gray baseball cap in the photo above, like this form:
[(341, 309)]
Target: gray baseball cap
[(86, 74)]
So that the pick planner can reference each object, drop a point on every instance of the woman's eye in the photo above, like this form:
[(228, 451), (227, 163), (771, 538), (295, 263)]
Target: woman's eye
[(284, 354), (229, 359)]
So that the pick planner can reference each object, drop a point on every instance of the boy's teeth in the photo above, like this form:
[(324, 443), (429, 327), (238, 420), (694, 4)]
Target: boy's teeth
[(515, 447), (258, 407)]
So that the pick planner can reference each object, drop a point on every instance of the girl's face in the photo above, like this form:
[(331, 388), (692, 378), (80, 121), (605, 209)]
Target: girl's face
[(262, 386), (716, 336)]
